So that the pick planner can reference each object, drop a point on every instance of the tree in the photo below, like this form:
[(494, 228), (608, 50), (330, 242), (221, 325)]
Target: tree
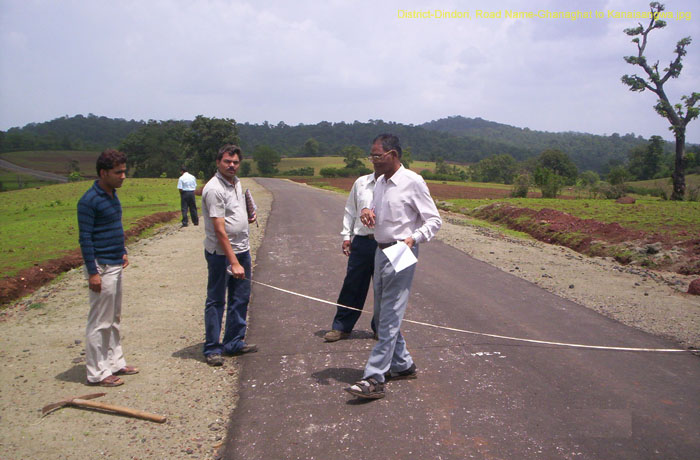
[(560, 163), (677, 115), (267, 159), (353, 156), (311, 148), (203, 140), (646, 161), (498, 168), (406, 157), (155, 148), (548, 182), (618, 175), (245, 169)]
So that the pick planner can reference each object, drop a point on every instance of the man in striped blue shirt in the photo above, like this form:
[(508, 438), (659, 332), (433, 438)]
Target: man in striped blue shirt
[(102, 245)]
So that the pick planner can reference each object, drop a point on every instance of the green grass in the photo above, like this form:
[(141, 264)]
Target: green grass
[(648, 215), (10, 180), (55, 161), (41, 224), (691, 180)]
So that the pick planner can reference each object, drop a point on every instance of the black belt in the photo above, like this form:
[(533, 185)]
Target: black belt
[(369, 237), (385, 245)]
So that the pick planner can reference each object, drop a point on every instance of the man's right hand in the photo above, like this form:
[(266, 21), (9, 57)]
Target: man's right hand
[(346, 247), (95, 282), (367, 217), (238, 271)]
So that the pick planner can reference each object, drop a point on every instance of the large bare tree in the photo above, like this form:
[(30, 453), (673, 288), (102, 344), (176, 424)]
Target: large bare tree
[(678, 115)]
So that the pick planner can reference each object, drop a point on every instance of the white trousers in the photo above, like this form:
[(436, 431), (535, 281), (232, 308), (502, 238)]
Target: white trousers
[(103, 350)]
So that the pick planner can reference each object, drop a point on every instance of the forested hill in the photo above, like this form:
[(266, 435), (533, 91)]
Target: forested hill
[(588, 151), (455, 138), (69, 133)]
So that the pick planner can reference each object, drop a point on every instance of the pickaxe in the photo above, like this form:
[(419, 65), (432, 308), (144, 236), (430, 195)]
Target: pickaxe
[(83, 401)]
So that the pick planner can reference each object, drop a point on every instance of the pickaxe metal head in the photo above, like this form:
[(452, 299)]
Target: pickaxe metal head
[(52, 407)]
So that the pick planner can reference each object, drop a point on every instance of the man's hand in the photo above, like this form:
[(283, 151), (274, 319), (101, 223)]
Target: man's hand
[(367, 217), (238, 271), (126, 261), (410, 242), (346, 247), (253, 219), (95, 282)]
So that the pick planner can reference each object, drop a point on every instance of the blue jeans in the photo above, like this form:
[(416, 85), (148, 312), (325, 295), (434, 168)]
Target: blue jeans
[(356, 283), (236, 301)]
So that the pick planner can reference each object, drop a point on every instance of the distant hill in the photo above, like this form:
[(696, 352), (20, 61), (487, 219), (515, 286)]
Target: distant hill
[(69, 133), (460, 139), (588, 151)]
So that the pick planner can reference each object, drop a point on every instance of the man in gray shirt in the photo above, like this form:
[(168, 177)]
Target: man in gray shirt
[(227, 252)]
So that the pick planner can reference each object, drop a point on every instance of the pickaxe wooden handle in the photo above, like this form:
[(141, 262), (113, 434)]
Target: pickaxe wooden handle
[(84, 401)]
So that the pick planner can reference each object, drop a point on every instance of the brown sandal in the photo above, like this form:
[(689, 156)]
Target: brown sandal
[(127, 370), (111, 381)]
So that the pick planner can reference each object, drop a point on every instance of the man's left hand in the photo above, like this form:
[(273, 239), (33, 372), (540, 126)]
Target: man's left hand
[(253, 219), (410, 242), (126, 261)]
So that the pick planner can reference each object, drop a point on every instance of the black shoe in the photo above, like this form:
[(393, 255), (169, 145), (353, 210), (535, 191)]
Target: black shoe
[(409, 374), (215, 359), (183, 225)]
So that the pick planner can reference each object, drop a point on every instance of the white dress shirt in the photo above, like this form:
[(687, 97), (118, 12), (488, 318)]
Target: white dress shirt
[(403, 207), (360, 197), (187, 182)]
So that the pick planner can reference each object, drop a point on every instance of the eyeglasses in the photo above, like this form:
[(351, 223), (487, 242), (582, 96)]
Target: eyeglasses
[(378, 157)]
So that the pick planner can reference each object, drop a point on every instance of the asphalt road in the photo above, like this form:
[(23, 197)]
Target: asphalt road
[(475, 397)]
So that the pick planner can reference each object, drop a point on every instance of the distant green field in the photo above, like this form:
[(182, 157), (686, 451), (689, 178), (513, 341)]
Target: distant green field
[(10, 180), (680, 218), (40, 224), (55, 161), (691, 180)]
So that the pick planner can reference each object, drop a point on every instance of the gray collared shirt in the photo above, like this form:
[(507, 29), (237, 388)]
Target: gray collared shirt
[(222, 199)]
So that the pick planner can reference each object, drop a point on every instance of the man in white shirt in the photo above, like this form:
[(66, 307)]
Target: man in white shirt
[(402, 210), (187, 184), (359, 246), (227, 251)]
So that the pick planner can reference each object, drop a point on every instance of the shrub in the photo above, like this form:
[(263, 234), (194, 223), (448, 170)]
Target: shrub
[(521, 185), (429, 175), (75, 176), (308, 171), (549, 182), (344, 172)]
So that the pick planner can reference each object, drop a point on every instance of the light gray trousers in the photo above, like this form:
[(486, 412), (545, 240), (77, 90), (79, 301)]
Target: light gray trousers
[(103, 349), (391, 291)]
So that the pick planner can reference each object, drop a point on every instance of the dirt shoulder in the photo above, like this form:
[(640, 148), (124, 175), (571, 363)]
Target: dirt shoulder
[(41, 345), (42, 350)]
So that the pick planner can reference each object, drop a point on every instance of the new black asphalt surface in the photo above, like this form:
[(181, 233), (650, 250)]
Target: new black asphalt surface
[(475, 397)]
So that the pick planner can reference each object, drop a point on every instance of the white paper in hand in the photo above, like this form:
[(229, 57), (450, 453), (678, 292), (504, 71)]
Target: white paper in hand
[(400, 256)]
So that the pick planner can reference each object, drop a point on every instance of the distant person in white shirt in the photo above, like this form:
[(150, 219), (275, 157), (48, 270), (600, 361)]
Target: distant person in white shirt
[(359, 246), (402, 211), (187, 184)]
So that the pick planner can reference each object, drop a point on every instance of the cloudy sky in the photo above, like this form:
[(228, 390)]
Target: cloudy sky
[(338, 60)]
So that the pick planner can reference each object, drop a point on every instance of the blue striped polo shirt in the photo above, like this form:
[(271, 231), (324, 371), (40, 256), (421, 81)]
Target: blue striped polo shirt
[(100, 227)]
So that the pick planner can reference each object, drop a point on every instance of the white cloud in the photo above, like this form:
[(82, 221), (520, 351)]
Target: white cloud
[(340, 60)]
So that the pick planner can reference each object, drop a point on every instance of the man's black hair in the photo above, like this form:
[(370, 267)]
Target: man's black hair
[(389, 142), (109, 159)]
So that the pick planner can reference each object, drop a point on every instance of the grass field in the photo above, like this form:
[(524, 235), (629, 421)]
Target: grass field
[(691, 180), (10, 180), (680, 218), (40, 224), (55, 161)]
